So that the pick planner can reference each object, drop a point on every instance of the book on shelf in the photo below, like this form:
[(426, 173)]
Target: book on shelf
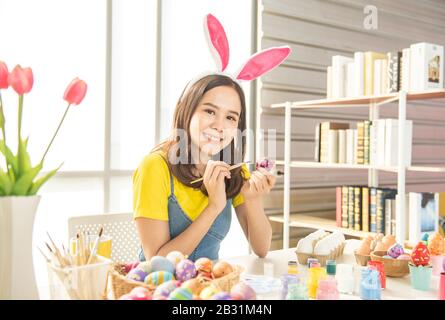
[(342, 146), (388, 220), (360, 143), (393, 216), (339, 73), (317, 142), (357, 208), (373, 209), (350, 81), (359, 74), (405, 70), (332, 146), (329, 82), (378, 77), (370, 57), (351, 205), (366, 141), (350, 146), (325, 127), (423, 215), (382, 195), (392, 142), (380, 142), (338, 206), (393, 73), (365, 209), (427, 62), (344, 207)]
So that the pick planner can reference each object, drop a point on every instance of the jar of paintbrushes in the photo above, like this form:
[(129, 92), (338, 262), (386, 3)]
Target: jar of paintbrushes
[(78, 275)]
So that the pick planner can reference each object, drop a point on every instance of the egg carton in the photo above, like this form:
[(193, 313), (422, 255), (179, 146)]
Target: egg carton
[(302, 257)]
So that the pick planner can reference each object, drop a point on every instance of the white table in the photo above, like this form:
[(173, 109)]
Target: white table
[(396, 288)]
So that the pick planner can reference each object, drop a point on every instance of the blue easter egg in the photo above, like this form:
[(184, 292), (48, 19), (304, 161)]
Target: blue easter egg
[(158, 277), (159, 263), (166, 288)]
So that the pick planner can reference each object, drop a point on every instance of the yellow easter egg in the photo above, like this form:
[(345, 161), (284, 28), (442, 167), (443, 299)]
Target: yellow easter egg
[(208, 292), (158, 277)]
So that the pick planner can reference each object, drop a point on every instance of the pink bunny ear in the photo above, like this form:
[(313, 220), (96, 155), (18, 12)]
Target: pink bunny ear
[(218, 39), (262, 62)]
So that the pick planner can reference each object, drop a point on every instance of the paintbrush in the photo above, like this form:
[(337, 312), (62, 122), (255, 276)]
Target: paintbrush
[(46, 258), (230, 168), (96, 245), (59, 260)]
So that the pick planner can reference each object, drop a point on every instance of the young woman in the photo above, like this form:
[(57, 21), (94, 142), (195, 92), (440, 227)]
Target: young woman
[(173, 214)]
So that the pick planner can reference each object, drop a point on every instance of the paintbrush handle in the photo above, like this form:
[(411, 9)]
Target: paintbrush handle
[(230, 168)]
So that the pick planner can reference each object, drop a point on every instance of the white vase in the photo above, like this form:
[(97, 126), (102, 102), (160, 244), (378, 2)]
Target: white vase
[(17, 279)]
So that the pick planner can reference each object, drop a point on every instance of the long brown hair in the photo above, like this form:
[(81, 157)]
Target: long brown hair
[(185, 108)]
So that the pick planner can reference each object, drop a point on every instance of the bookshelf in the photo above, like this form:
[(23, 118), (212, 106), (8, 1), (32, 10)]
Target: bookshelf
[(372, 103)]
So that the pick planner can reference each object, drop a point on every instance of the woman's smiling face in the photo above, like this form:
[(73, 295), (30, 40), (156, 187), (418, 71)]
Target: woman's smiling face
[(215, 121)]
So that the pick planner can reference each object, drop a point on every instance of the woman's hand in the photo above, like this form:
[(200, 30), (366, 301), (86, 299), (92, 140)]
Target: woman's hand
[(259, 184), (214, 175)]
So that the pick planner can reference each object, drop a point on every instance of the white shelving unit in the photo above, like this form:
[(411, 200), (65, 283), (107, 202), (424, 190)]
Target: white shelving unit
[(373, 103)]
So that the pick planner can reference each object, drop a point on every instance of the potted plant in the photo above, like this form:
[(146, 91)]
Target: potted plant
[(20, 182)]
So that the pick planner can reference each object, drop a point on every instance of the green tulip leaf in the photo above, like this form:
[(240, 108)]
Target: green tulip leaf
[(11, 174), (23, 157), (40, 181), (24, 182), (9, 156), (5, 182)]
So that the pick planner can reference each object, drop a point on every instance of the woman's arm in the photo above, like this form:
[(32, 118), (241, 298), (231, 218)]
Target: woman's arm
[(253, 220), (155, 234)]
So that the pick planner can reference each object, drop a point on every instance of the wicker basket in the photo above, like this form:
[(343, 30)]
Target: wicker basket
[(393, 267), (361, 259), (121, 285), (322, 259)]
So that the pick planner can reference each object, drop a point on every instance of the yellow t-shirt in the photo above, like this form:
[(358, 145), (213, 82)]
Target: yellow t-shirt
[(151, 189)]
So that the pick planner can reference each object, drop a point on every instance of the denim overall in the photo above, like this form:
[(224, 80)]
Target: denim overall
[(178, 221)]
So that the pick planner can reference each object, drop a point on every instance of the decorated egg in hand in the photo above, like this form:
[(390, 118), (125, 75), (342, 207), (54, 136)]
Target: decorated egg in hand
[(395, 250), (221, 269), (420, 255), (137, 275), (174, 257), (265, 164), (181, 294), (159, 263), (145, 266), (242, 291), (164, 289), (185, 270), (158, 277), (140, 293)]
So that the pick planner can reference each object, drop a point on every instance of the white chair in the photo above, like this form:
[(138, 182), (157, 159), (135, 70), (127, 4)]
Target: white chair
[(121, 228)]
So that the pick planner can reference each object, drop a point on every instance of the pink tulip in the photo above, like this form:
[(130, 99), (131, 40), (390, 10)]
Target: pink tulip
[(75, 92), (21, 80), (4, 75)]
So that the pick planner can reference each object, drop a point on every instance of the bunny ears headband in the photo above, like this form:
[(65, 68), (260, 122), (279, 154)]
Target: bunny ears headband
[(257, 65)]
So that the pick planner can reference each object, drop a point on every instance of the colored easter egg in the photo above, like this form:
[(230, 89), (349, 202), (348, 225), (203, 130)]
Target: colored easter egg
[(145, 266), (158, 277), (425, 237), (204, 265), (137, 275), (222, 296), (195, 285), (389, 240), (420, 255), (436, 244), (265, 164), (396, 250), (243, 290), (174, 257), (221, 269), (140, 293), (159, 263), (185, 270), (181, 294), (209, 292), (164, 289)]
